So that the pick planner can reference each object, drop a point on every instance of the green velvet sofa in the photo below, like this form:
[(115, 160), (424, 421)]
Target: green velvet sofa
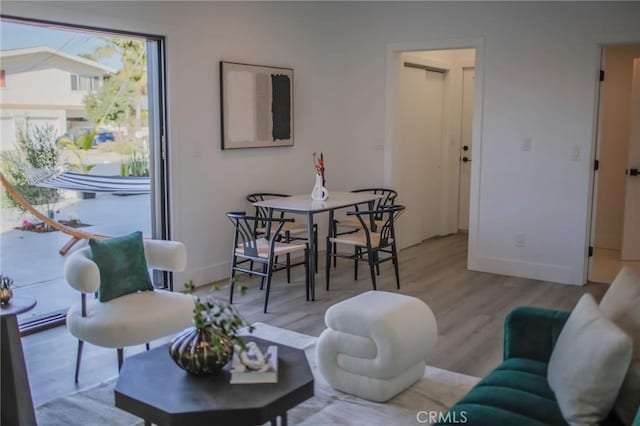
[(517, 392)]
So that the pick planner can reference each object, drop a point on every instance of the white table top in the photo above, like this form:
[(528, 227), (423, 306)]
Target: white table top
[(305, 204)]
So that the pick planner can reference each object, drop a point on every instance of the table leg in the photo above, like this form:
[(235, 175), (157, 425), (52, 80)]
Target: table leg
[(372, 221), (283, 419), (312, 263), (327, 269), (17, 406), (267, 231), (147, 423)]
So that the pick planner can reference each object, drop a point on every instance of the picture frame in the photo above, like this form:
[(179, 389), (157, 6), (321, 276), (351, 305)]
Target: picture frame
[(256, 106)]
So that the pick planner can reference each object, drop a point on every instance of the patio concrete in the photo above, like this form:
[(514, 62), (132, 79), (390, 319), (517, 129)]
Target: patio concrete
[(33, 261)]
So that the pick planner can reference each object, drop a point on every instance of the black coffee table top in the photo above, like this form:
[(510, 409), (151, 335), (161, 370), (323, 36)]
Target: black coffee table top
[(17, 305), (153, 387)]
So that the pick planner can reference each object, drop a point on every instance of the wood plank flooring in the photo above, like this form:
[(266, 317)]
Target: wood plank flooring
[(469, 307)]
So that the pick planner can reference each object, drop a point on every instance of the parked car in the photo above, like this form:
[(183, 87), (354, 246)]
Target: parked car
[(101, 136)]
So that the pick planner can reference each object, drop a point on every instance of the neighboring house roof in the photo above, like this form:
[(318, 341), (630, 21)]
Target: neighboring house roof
[(46, 49)]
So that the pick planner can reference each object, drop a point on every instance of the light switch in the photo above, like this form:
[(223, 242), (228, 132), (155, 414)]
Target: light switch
[(526, 144)]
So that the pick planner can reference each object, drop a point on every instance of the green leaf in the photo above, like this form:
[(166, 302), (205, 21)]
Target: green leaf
[(85, 141)]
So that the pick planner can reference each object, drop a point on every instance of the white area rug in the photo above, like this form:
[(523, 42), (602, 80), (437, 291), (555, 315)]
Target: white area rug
[(436, 391)]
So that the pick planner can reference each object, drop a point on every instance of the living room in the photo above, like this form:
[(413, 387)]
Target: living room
[(536, 82)]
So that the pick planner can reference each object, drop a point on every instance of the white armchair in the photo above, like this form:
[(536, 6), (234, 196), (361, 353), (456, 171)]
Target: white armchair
[(128, 320)]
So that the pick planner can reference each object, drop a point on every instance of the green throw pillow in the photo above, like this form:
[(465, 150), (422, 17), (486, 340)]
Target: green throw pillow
[(122, 264)]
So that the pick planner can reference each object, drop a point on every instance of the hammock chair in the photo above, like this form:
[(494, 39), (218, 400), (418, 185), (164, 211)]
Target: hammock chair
[(75, 234), (119, 185)]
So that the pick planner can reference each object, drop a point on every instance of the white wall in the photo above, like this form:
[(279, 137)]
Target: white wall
[(539, 81)]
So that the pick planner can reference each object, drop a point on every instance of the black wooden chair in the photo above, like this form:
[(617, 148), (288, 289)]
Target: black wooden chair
[(351, 224), (248, 247), (375, 237), (292, 231)]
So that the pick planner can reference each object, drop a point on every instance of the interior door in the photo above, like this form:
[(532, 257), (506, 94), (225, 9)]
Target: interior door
[(419, 151), (433, 93), (631, 230), (465, 148)]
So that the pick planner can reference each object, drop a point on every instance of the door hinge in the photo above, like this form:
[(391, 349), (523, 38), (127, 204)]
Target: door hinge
[(601, 75), (590, 251), (163, 148), (596, 164)]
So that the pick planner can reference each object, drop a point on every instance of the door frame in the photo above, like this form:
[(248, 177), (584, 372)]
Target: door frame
[(393, 51), (599, 44), (465, 67)]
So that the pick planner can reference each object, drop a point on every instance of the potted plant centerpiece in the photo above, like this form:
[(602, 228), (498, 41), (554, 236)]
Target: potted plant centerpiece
[(207, 346), (6, 293)]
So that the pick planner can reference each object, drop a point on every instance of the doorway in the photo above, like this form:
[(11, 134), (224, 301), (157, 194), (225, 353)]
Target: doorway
[(615, 229), (432, 154), (93, 101)]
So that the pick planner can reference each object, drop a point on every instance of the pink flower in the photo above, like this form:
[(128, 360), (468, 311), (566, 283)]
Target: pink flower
[(25, 223)]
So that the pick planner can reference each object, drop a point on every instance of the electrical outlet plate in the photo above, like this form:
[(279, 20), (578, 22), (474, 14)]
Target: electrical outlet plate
[(526, 144)]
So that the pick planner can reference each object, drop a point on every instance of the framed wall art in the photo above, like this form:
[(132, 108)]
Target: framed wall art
[(256, 105)]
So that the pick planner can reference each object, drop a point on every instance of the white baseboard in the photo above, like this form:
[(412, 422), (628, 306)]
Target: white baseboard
[(519, 268), (202, 275)]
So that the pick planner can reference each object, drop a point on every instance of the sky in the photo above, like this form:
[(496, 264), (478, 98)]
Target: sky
[(16, 36)]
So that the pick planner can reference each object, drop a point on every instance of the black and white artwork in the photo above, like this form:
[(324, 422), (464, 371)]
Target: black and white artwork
[(257, 106)]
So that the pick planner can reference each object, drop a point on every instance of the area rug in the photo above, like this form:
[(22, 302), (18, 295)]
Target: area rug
[(436, 391)]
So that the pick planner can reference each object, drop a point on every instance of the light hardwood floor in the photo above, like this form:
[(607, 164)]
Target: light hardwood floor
[(469, 307)]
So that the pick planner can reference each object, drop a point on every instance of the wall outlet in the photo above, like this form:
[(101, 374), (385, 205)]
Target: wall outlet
[(526, 144), (521, 240)]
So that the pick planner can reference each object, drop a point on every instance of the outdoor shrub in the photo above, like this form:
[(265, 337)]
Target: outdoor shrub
[(36, 149), (137, 165)]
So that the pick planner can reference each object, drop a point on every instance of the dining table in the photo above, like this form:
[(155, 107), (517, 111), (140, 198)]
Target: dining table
[(305, 205)]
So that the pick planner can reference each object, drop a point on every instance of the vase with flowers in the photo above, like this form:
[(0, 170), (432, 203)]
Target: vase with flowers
[(207, 346), (319, 192)]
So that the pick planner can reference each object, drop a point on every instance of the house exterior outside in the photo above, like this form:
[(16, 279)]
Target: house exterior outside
[(42, 86)]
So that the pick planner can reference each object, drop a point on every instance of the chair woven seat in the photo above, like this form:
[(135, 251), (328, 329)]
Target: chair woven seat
[(279, 249)]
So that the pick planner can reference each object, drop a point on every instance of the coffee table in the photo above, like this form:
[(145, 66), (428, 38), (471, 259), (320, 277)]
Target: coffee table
[(154, 388)]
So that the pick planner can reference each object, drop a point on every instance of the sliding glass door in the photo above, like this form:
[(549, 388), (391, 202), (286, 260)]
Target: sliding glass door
[(83, 147)]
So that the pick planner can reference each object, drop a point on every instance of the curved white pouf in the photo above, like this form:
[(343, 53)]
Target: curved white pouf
[(376, 344)]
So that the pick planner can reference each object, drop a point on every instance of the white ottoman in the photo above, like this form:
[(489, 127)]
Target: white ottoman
[(376, 344)]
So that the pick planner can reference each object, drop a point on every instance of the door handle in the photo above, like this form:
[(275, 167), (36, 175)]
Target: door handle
[(466, 160), (465, 148)]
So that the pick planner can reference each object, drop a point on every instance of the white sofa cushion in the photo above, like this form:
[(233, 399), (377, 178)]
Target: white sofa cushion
[(132, 319), (588, 364), (621, 304)]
